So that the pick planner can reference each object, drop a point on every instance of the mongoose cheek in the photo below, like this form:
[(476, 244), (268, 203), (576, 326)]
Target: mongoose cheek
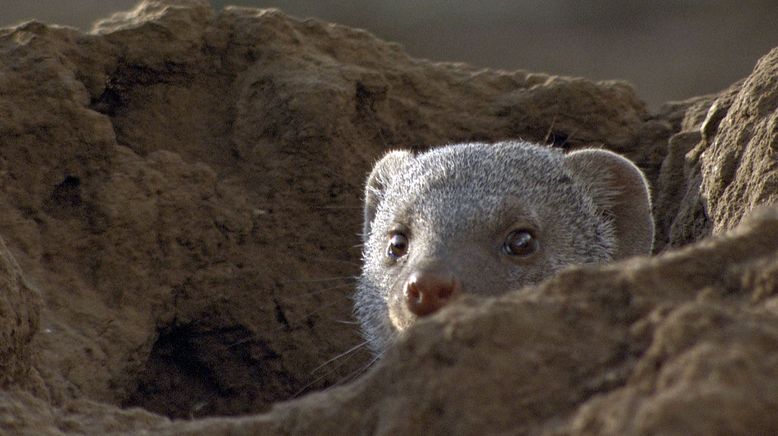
[(399, 317)]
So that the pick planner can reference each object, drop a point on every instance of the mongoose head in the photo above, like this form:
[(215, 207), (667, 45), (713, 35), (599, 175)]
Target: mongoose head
[(487, 219)]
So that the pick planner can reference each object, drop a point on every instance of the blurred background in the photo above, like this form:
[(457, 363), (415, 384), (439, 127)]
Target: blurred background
[(668, 49)]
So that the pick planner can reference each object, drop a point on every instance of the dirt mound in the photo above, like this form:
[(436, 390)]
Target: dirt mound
[(682, 344), (19, 314), (182, 189)]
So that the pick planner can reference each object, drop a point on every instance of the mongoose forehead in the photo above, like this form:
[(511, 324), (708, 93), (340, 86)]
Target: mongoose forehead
[(487, 219)]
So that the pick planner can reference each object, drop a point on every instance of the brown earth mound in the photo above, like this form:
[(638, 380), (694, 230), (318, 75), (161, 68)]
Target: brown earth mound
[(180, 204)]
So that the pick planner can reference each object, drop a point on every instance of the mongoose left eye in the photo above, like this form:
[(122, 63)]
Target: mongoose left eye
[(398, 246), (520, 243)]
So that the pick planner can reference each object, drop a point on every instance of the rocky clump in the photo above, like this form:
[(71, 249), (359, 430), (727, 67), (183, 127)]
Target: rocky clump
[(19, 315), (180, 194), (683, 344)]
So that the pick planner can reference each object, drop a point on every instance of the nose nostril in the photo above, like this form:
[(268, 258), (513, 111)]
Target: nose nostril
[(445, 292), (412, 294), (426, 293)]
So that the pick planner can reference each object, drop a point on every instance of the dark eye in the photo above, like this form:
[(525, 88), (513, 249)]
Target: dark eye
[(398, 246), (520, 243)]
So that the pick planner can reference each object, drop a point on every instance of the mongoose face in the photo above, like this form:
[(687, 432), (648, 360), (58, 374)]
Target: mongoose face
[(487, 219)]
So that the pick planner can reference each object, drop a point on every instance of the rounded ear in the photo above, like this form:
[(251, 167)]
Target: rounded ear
[(620, 191), (375, 186)]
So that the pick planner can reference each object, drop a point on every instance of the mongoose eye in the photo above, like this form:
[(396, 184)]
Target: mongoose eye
[(520, 243), (398, 245)]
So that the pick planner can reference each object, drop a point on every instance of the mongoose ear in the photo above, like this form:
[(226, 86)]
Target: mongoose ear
[(620, 191), (383, 172)]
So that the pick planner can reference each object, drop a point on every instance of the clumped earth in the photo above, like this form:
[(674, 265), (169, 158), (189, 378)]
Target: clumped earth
[(180, 202)]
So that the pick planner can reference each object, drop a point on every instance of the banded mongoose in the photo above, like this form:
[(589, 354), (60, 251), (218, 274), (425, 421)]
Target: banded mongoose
[(487, 219)]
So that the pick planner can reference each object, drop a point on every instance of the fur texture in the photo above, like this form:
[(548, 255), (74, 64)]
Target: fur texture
[(457, 204)]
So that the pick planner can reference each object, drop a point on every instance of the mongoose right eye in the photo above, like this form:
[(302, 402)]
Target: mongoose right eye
[(520, 243), (398, 246)]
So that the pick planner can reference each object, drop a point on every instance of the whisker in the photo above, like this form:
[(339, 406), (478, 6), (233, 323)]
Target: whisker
[(353, 376), (305, 388), (323, 279), (242, 341), (550, 129), (321, 377), (321, 308), (345, 353), (254, 337), (348, 262), (317, 291), (276, 208)]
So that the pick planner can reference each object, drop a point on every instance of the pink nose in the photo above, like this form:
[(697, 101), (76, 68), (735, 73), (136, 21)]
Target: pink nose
[(426, 292)]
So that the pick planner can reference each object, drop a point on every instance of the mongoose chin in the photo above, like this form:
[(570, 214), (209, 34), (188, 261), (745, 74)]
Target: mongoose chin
[(486, 219)]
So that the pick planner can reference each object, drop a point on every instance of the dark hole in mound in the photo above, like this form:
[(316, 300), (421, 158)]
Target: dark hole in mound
[(66, 195), (66, 200), (109, 102), (196, 371)]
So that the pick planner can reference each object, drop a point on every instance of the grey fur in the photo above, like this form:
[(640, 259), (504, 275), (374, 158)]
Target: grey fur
[(457, 204)]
